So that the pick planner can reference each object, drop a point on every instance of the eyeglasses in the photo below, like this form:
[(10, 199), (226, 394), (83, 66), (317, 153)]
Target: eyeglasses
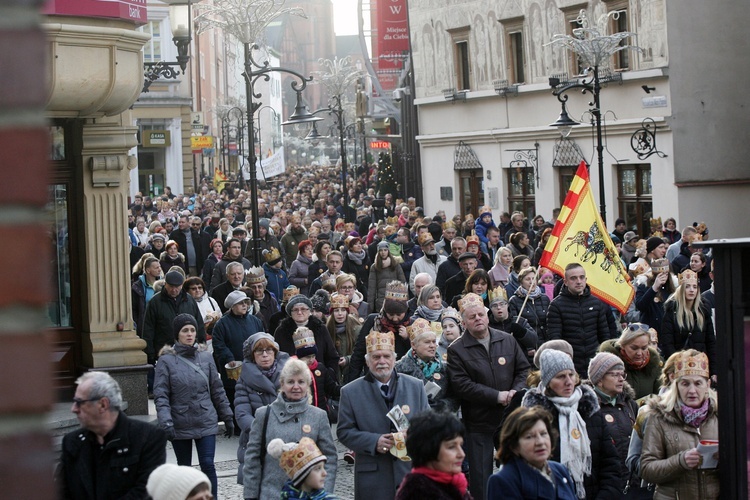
[(300, 309), (617, 375), (347, 288), (196, 287), (78, 402), (264, 351)]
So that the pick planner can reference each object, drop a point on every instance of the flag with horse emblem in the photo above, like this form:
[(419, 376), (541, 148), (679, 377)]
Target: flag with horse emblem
[(580, 236)]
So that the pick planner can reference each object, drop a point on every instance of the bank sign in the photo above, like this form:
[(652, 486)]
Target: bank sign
[(129, 10)]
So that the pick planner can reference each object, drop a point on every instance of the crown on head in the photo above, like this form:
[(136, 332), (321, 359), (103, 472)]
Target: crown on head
[(290, 292), (451, 313), (692, 365), (420, 327), (425, 238), (296, 459), (303, 337), (272, 255), (688, 276), (497, 295), (339, 301), (255, 275), (395, 290), (380, 341), (470, 300), (660, 266)]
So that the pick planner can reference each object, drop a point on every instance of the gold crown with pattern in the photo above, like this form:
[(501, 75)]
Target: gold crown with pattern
[(380, 341), (426, 238), (339, 301), (660, 266), (688, 276), (470, 300), (290, 292), (272, 255), (303, 337), (451, 313), (395, 290), (421, 327), (255, 275), (692, 365), (296, 459), (497, 295)]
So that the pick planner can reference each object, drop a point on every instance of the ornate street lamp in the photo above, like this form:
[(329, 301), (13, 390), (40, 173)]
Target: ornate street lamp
[(595, 52), (247, 20), (180, 21)]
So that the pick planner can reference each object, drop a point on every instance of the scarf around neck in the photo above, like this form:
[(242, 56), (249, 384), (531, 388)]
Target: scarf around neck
[(522, 292), (271, 371), (458, 481), (428, 368), (387, 326), (575, 445), (634, 364), (694, 417), (356, 257), (429, 314)]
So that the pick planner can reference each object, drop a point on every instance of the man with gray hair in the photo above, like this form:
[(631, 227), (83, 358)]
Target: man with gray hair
[(235, 272), (111, 455)]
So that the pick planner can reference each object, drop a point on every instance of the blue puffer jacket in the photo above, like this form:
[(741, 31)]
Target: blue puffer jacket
[(182, 396)]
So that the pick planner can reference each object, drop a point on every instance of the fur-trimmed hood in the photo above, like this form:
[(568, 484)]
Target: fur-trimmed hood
[(587, 406), (627, 391), (170, 349), (654, 364), (657, 408)]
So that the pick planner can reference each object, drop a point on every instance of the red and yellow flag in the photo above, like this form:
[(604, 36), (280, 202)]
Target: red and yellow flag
[(219, 180), (580, 236)]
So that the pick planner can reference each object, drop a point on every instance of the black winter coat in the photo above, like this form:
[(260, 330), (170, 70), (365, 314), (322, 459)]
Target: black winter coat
[(181, 240), (652, 311), (361, 271), (448, 269), (160, 313), (582, 321), (604, 481), (535, 312), (327, 353), (419, 486), (672, 338), (134, 449)]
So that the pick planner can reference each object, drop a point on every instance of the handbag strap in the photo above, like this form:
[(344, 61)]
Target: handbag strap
[(263, 439), (197, 369)]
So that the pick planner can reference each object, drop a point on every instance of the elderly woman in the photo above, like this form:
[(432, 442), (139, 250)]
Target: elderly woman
[(607, 377), (687, 321), (385, 269), (258, 385), (642, 362), (209, 308), (534, 308), (299, 271), (678, 421), (423, 363), (453, 328), (217, 252), (435, 445), (500, 272), (290, 417), (171, 257), (429, 304), (526, 445), (190, 399), (584, 442)]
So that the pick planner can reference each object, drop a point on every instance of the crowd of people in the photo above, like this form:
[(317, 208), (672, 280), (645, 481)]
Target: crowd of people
[(437, 347)]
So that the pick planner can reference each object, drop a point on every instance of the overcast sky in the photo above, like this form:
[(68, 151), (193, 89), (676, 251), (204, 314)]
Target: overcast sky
[(345, 17)]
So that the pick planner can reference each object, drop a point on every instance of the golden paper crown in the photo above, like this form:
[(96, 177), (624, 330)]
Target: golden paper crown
[(290, 292), (255, 275), (688, 276), (392, 220), (421, 327), (660, 266), (272, 255), (395, 290), (655, 222), (692, 365), (339, 301), (497, 295), (426, 238), (390, 229), (470, 300), (303, 337), (449, 225), (380, 341), (296, 459), (449, 312), (472, 239)]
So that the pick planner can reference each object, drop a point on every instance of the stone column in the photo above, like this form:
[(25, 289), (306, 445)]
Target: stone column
[(109, 340)]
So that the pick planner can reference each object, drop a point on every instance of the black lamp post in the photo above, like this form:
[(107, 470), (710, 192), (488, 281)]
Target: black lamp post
[(229, 117), (337, 110), (180, 20), (301, 114)]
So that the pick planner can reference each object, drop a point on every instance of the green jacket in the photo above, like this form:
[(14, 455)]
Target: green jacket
[(644, 381)]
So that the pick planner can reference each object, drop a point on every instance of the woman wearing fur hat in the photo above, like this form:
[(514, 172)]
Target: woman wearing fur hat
[(687, 321), (678, 421), (290, 417), (641, 361), (607, 376), (385, 269), (258, 385), (171, 257), (534, 307), (584, 445), (190, 398)]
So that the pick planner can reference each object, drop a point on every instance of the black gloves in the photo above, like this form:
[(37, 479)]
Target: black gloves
[(170, 432), (517, 330), (228, 428)]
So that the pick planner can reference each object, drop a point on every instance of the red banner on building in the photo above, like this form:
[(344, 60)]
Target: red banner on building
[(392, 43), (129, 10)]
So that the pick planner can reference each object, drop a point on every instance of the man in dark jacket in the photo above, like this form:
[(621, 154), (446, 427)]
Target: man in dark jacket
[(455, 285), (189, 242), (161, 311), (266, 241), (235, 280), (233, 254), (111, 455), (450, 267), (578, 317), (485, 368)]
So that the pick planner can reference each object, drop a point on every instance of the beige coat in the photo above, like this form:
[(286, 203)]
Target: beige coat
[(666, 439)]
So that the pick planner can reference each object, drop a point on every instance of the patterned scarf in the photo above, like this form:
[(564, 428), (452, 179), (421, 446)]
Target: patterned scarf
[(695, 417), (635, 365), (429, 368), (388, 326), (458, 481), (271, 371), (289, 492), (575, 446)]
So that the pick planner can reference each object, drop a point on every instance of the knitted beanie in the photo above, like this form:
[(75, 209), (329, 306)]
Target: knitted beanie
[(557, 345), (180, 321), (553, 362), (174, 482), (321, 301), (601, 364), (297, 299), (652, 243)]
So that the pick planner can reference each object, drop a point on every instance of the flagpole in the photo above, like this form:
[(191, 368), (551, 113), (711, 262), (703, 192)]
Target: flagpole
[(524, 302)]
